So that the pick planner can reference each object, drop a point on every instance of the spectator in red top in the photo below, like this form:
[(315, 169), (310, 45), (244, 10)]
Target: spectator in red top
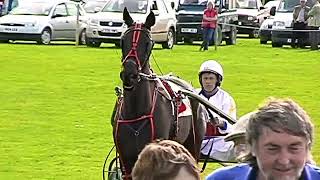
[(209, 23)]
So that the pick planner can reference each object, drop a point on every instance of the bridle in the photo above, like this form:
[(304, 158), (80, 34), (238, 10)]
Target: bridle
[(133, 54)]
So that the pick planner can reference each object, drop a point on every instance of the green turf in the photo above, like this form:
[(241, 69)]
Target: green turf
[(56, 100)]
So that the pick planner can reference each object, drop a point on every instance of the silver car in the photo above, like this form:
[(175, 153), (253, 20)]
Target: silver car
[(107, 25), (44, 21)]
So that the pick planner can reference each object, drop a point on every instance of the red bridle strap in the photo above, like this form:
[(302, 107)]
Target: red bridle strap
[(148, 117), (133, 51)]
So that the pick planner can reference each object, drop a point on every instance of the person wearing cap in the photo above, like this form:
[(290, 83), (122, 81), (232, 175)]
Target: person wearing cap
[(300, 17), (314, 24), (210, 78), (209, 23), (279, 137)]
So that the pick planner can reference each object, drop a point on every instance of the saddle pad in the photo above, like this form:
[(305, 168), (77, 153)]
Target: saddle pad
[(170, 90)]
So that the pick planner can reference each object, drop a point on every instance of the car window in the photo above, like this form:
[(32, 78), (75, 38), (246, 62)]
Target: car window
[(246, 4), (91, 6), (34, 8), (72, 9), (60, 10), (133, 6), (193, 2), (162, 7)]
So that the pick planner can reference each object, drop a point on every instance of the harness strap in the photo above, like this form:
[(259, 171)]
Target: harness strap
[(149, 117), (133, 51)]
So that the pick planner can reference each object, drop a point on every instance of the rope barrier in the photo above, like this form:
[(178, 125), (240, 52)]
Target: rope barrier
[(250, 27)]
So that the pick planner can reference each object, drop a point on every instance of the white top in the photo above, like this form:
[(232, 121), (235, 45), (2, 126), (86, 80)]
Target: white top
[(301, 15), (223, 101), (220, 149)]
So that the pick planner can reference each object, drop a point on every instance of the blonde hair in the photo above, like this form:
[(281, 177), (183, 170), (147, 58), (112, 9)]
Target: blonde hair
[(163, 160)]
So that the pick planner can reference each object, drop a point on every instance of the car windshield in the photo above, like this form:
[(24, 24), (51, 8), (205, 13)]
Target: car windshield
[(40, 9), (288, 5), (93, 6), (246, 4), (271, 4), (133, 6), (193, 2)]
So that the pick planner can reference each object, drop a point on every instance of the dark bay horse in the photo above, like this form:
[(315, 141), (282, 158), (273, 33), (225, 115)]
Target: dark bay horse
[(143, 112)]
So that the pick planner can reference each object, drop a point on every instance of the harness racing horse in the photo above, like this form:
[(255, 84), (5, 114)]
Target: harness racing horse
[(143, 112)]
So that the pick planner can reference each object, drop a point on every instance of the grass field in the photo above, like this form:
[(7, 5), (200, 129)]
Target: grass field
[(56, 101)]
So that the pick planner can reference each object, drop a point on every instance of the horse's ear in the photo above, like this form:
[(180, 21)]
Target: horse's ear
[(150, 21), (127, 18)]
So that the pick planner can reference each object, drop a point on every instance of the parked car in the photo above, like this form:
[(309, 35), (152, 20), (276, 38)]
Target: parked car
[(282, 24), (190, 14), (266, 26), (43, 21), (251, 14), (93, 6), (107, 25)]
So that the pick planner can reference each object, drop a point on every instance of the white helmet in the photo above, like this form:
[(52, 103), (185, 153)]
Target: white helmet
[(213, 67)]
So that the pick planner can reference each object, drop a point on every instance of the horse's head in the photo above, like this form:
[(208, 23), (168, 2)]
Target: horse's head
[(136, 44)]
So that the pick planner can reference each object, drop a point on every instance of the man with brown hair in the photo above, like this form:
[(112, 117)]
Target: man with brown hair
[(279, 137), (165, 160)]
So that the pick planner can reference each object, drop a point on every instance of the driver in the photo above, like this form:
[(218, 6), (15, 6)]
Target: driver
[(210, 78)]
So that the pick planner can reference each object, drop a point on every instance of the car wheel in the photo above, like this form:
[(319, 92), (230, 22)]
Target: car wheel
[(263, 41), (82, 37), (4, 41), (254, 34), (45, 37), (170, 40), (275, 44), (232, 36), (92, 42)]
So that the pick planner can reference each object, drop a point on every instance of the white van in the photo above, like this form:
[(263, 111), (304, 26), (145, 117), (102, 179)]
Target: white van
[(282, 23), (107, 25)]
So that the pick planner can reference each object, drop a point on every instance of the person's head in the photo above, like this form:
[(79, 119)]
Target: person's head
[(210, 75), (165, 160), (303, 2), (280, 135), (238, 135), (210, 4)]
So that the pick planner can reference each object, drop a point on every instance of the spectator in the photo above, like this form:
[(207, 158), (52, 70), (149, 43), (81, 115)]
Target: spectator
[(279, 136), (314, 24), (210, 78), (209, 23), (165, 160), (1, 7), (300, 16)]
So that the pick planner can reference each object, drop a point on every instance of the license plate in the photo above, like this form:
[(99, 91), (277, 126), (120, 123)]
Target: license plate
[(188, 30), (109, 30), (11, 29)]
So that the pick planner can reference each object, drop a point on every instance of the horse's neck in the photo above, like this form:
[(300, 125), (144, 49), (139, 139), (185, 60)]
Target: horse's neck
[(139, 101)]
